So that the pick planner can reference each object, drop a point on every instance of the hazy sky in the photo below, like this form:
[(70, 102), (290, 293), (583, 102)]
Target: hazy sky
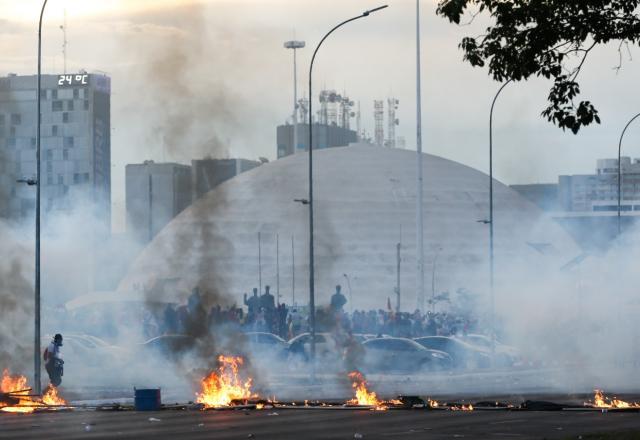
[(191, 78)]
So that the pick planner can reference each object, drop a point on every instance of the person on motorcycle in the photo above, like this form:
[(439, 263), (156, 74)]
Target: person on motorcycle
[(53, 360)]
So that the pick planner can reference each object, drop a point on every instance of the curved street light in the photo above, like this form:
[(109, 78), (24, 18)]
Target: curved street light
[(36, 348), (491, 256), (620, 166), (312, 303)]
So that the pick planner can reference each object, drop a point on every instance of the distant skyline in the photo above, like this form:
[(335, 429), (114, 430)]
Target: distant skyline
[(192, 78)]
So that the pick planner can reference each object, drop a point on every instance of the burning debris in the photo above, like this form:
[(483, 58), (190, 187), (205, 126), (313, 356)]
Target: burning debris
[(364, 397), (601, 401), (225, 387), (15, 395)]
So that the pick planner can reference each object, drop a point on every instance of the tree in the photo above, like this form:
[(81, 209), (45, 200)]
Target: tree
[(547, 38)]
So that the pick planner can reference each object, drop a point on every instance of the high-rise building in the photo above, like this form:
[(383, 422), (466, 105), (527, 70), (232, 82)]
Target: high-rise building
[(599, 192), (75, 144), (155, 194), (209, 173), (324, 136)]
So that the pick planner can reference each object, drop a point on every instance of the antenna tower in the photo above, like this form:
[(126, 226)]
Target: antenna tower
[(378, 116), (392, 121)]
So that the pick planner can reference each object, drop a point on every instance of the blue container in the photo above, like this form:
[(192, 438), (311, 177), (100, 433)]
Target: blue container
[(147, 399)]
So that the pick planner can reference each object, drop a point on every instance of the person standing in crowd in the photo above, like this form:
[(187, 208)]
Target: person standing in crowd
[(338, 300), (253, 305)]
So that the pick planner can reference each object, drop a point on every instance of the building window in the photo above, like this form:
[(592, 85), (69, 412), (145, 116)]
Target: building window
[(11, 142), (43, 94), (1, 120), (70, 106), (33, 142), (60, 179), (54, 130), (68, 142), (56, 106), (65, 154), (85, 177), (76, 178), (54, 94), (12, 131), (76, 93), (86, 104), (49, 180), (65, 117), (16, 119), (49, 166), (49, 156)]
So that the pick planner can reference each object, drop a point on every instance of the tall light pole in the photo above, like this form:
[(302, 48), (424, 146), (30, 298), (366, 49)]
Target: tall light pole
[(491, 255), (36, 348), (620, 166), (295, 45), (420, 189), (312, 300)]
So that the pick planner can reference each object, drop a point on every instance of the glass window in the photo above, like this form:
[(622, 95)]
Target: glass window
[(12, 131), (33, 142), (65, 154), (49, 155), (76, 93), (65, 117), (16, 119), (56, 106), (11, 142), (70, 106), (49, 166), (54, 130), (54, 94), (43, 94), (60, 179), (1, 119), (85, 177), (49, 180), (68, 142), (86, 104)]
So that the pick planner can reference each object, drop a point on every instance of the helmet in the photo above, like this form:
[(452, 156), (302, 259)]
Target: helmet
[(58, 339)]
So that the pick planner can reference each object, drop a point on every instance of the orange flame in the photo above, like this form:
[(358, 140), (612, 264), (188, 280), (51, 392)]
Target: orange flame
[(601, 401), (19, 389), (363, 397), (223, 386), (462, 407)]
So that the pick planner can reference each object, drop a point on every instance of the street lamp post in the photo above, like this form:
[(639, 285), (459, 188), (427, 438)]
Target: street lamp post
[(36, 348), (620, 166), (312, 301), (491, 255)]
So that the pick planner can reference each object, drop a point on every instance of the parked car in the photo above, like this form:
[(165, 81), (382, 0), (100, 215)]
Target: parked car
[(327, 349), (402, 355), (464, 355), (506, 355), (262, 342)]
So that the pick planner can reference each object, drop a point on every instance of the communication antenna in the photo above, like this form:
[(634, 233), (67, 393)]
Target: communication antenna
[(378, 117), (64, 41)]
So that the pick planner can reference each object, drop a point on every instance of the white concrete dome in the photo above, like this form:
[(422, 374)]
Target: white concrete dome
[(365, 203)]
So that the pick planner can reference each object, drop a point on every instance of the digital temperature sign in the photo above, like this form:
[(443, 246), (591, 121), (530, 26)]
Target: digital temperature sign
[(81, 79)]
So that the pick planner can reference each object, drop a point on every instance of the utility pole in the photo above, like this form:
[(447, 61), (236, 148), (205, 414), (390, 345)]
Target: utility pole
[(150, 206), (259, 263), (64, 41), (277, 269), (295, 45), (419, 193), (293, 273), (398, 278)]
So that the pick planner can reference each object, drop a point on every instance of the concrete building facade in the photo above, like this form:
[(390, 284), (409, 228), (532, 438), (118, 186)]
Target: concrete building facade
[(599, 192), (155, 194), (75, 144), (209, 173), (324, 136)]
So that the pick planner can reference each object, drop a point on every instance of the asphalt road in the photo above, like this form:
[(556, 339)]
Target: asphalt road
[(313, 424)]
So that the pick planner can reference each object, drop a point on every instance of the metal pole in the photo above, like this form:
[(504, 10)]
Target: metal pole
[(293, 273), (295, 102), (433, 283), (312, 302), (277, 269), (620, 167), (259, 264), (150, 206), (36, 348), (419, 193), (398, 278), (491, 255)]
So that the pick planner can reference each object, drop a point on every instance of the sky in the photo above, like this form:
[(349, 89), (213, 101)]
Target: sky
[(211, 78)]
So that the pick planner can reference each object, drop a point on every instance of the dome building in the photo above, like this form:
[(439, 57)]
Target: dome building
[(365, 202)]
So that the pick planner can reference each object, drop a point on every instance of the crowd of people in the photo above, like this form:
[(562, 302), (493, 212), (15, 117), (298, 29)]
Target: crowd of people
[(264, 314)]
